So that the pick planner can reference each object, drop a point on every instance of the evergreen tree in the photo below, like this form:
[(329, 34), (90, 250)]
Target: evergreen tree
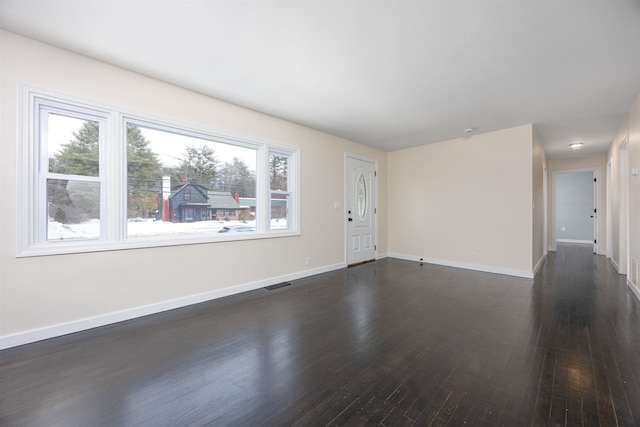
[(144, 175), (236, 177), (80, 155), (278, 172), (68, 202), (199, 165), (278, 169)]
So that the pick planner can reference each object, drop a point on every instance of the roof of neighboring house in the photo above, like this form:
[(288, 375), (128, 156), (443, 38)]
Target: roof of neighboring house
[(178, 188), (222, 200)]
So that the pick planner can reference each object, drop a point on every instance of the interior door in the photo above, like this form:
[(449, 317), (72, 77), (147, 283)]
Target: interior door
[(361, 211)]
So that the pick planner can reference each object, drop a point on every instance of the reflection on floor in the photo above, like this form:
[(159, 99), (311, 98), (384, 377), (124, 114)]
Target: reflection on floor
[(388, 343)]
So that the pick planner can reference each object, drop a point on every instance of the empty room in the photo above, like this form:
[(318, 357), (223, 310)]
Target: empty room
[(314, 213)]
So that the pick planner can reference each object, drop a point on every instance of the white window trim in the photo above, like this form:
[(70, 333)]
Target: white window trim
[(293, 204), (40, 190), (113, 232)]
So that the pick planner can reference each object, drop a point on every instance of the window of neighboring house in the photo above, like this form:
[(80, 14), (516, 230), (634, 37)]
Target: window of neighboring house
[(225, 213), (96, 178), (188, 214)]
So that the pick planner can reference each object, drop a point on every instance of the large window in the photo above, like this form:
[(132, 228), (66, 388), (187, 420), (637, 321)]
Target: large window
[(98, 178)]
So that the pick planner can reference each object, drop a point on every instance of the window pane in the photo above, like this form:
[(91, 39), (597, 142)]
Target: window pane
[(278, 169), (73, 209), (144, 176), (72, 145), (181, 184), (279, 211)]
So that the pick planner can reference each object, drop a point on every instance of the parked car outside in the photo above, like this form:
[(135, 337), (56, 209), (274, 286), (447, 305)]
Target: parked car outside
[(236, 229)]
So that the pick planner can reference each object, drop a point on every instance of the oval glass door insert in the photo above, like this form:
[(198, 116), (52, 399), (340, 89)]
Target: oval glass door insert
[(361, 197)]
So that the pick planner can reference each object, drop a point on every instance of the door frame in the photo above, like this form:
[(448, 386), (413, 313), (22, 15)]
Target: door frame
[(623, 206), (597, 173), (545, 196), (345, 239), (608, 219)]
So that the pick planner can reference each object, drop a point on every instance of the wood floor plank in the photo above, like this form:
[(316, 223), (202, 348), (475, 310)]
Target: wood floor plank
[(390, 343)]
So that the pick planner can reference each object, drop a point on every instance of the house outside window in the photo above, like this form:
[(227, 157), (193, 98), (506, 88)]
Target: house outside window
[(98, 177)]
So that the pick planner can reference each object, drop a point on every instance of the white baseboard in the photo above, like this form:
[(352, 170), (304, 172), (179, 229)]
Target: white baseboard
[(586, 242), (475, 267), (381, 256), (34, 335), (615, 265), (539, 264), (633, 288)]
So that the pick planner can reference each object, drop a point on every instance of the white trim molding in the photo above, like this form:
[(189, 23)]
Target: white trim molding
[(615, 265), (476, 267), (539, 264), (586, 242), (27, 337), (634, 289)]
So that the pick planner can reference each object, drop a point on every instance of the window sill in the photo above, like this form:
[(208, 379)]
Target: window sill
[(77, 247)]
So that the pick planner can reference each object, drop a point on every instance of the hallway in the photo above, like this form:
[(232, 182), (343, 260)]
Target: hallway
[(385, 343)]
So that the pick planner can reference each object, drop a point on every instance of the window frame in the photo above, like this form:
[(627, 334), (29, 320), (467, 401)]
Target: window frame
[(31, 201), (43, 174), (291, 212)]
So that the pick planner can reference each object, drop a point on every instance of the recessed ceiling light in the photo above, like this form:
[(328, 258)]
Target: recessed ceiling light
[(469, 130), (576, 146)]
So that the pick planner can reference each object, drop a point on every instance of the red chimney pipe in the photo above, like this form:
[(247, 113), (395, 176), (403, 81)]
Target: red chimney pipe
[(166, 214)]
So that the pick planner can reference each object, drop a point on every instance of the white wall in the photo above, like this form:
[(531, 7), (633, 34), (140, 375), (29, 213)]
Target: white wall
[(465, 202), (634, 195), (622, 238), (538, 229), (618, 223), (54, 294)]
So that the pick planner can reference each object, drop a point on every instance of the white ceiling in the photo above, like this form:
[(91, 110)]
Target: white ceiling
[(389, 74)]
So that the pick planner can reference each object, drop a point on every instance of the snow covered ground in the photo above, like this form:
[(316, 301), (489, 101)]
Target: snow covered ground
[(86, 230), (147, 227)]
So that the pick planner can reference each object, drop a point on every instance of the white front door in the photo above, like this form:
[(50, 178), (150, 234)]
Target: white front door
[(361, 206)]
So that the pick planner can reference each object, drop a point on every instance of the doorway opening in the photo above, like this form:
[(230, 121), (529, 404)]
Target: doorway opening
[(576, 207)]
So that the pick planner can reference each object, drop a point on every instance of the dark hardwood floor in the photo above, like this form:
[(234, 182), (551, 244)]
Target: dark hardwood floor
[(386, 343)]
